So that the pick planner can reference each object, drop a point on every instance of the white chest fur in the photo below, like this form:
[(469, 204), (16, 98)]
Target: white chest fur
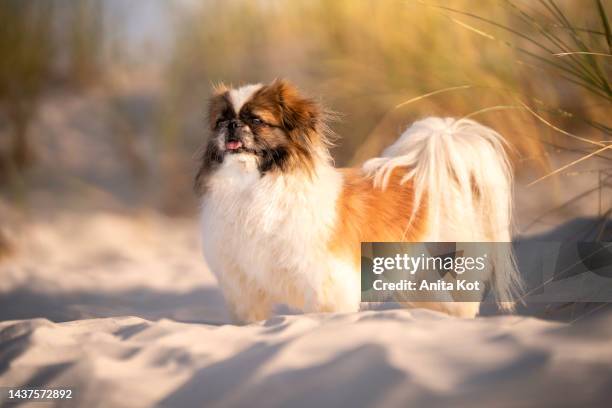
[(272, 232)]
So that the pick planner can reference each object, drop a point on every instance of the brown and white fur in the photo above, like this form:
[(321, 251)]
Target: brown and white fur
[(282, 225)]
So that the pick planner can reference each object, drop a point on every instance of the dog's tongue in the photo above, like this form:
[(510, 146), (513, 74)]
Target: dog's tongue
[(233, 145)]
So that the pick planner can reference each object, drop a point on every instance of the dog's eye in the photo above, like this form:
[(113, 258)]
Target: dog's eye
[(221, 122), (257, 121)]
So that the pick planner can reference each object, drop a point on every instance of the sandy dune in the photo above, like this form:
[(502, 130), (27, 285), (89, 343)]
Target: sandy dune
[(389, 358), (121, 309)]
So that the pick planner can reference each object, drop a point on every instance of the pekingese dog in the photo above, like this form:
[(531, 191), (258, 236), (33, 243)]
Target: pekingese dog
[(282, 225)]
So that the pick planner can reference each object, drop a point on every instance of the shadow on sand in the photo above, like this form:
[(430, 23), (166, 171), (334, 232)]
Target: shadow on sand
[(200, 305)]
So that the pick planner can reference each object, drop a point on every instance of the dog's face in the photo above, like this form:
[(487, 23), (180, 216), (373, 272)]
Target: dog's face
[(274, 123)]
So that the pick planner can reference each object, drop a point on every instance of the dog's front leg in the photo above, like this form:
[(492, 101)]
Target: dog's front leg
[(337, 294), (246, 302)]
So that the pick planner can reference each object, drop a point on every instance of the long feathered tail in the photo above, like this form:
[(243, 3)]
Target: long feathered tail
[(462, 176)]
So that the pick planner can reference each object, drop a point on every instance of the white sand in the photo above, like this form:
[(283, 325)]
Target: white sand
[(142, 325), (391, 358)]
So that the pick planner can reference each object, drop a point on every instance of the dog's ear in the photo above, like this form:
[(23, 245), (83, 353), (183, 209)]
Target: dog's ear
[(297, 112), (219, 88), (219, 102)]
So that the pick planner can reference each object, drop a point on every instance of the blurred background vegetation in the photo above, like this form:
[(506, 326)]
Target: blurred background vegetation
[(102, 102)]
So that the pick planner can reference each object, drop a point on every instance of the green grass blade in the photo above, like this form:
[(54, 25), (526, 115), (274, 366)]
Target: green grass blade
[(555, 10), (605, 23), (579, 79), (559, 64), (591, 75), (594, 90)]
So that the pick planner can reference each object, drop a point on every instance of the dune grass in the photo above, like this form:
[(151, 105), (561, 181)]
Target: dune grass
[(25, 51), (536, 71), (43, 44), (367, 59)]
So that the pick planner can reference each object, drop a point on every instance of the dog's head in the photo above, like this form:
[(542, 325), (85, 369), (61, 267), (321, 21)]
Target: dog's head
[(282, 129)]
